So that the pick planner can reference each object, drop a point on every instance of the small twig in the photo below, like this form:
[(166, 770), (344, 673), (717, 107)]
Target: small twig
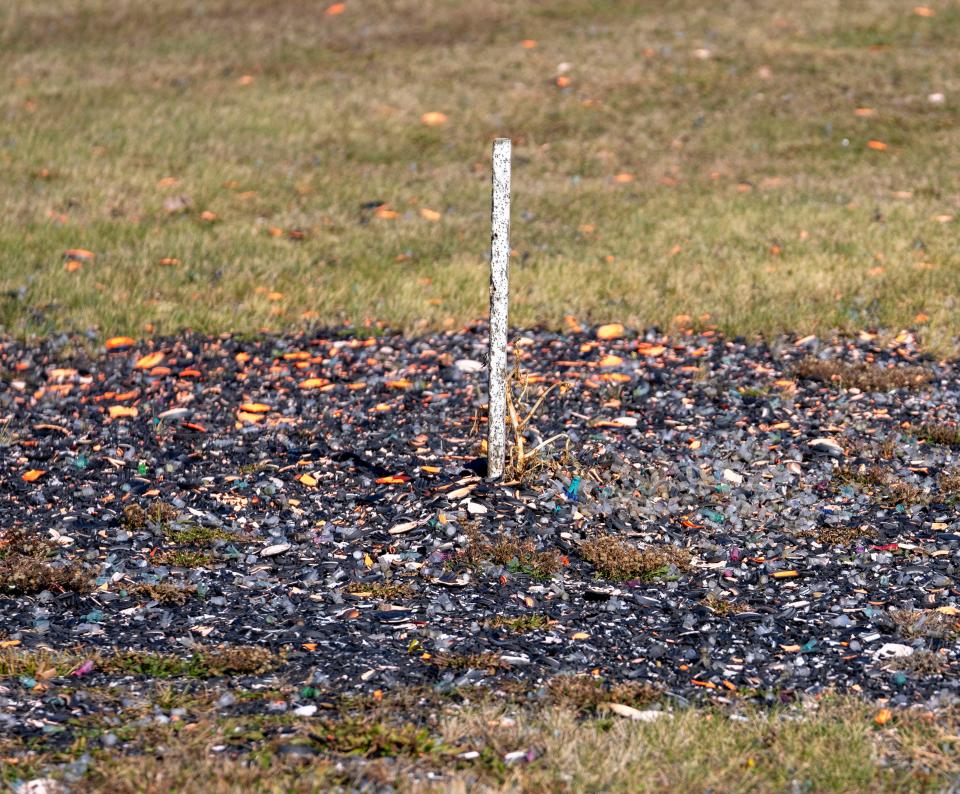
[(517, 427), (538, 403), (52, 427), (542, 444)]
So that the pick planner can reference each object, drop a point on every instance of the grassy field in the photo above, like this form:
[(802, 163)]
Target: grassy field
[(175, 737), (234, 165), (778, 167), (840, 749)]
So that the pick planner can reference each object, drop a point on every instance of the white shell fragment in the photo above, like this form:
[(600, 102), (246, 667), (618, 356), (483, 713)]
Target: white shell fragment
[(468, 365), (647, 715), (892, 650), (400, 529), (826, 446), (731, 476)]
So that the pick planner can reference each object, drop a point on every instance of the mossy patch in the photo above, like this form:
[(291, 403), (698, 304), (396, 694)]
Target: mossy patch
[(374, 738), (196, 535), (207, 663), (163, 516)]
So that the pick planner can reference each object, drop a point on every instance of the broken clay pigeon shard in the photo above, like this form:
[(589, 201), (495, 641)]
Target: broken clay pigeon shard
[(826, 446)]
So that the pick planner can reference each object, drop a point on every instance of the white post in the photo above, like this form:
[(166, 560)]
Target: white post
[(499, 308)]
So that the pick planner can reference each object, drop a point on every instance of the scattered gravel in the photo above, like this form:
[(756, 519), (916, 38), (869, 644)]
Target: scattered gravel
[(319, 497)]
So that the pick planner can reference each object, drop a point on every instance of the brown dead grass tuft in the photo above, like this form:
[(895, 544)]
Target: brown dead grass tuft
[(239, 659), (523, 404), (838, 536), (40, 661), (585, 693), (161, 592), (25, 569), (913, 623), (888, 490), (864, 475), (135, 517), (519, 556), (465, 661), (381, 591), (722, 606), (865, 377), (617, 560), (947, 435), (900, 492), (521, 624), (922, 662), (948, 484)]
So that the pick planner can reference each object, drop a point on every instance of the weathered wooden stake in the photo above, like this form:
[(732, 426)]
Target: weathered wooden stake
[(499, 308)]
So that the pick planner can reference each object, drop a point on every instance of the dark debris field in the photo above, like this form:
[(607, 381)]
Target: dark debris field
[(705, 518)]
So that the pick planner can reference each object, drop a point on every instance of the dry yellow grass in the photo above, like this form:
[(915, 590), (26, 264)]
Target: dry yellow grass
[(836, 748), (617, 560), (424, 739)]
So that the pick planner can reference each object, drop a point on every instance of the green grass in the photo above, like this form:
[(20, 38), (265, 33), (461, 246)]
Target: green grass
[(183, 558), (224, 660), (576, 741), (745, 204), (195, 535), (126, 120), (690, 749)]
